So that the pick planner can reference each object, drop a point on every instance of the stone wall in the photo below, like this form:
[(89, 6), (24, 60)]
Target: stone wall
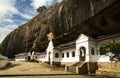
[(3, 61), (109, 69)]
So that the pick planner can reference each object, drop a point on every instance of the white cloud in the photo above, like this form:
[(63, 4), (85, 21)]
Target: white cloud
[(37, 3), (59, 0), (26, 16), (4, 31), (7, 11), (9, 20), (7, 8)]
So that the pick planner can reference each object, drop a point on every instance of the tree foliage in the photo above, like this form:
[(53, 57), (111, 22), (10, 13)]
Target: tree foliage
[(114, 48), (41, 8)]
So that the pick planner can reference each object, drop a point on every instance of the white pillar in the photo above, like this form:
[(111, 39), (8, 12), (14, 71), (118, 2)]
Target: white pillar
[(77, 70), (66, 68)]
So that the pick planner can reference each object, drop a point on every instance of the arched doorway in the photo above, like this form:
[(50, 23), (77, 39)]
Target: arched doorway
[(82, 53), (29, 58), (49, 58)]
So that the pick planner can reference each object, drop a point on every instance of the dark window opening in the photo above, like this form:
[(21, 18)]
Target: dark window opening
[(67, 54), (56, 55), (73, 54), (62, 55), (92, 51)]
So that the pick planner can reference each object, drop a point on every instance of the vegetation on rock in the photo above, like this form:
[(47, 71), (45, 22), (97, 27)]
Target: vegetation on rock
[(41, 8)]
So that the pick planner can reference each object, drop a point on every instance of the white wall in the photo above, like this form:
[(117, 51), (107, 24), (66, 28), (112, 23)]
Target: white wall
[(95, 57), (65, 58), (102, 58), (82, 41), (49, 50), (20, 58), (42, 57)]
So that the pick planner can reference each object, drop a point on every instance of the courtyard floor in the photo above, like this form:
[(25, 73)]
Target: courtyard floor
[(37, 70)]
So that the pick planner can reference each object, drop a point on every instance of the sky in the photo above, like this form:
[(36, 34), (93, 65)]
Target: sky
[(14, 13)]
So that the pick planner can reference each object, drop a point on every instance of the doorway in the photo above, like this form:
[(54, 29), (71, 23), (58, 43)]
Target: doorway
[(49, 58), (29, 58), (82, 54)]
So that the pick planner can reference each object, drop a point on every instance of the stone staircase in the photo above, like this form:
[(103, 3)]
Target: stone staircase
[(78, 63), (82, 66), (72, 69), (83, 69)]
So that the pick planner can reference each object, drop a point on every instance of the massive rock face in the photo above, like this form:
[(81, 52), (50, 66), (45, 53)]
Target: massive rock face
[(61, 18)]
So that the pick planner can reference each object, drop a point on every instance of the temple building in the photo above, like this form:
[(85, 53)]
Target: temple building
[(83, 49)]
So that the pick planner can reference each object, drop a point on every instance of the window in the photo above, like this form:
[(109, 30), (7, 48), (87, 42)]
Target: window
[(67, 54), (73, 54), (62, 55), (56, 55), (92, 51)]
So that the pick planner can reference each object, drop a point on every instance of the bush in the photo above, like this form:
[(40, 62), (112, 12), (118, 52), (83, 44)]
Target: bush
[(114, 48), (41, 8)]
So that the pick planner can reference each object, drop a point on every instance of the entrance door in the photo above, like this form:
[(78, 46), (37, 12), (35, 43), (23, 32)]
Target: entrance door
[(82, 53), (29, 58), (49, 58)]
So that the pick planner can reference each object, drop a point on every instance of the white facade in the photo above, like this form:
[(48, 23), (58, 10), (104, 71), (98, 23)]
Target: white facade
[(20, 58), (27, 56), (41, 57), (84, 48)]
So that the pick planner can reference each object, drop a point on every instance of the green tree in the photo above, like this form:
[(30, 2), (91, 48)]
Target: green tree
[(114, 48), (41, 8)]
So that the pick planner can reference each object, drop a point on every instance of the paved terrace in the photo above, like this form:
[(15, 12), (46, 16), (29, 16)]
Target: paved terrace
[(37, 70)]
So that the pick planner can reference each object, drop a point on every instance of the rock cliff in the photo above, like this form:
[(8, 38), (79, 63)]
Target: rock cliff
[(61, 18)]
